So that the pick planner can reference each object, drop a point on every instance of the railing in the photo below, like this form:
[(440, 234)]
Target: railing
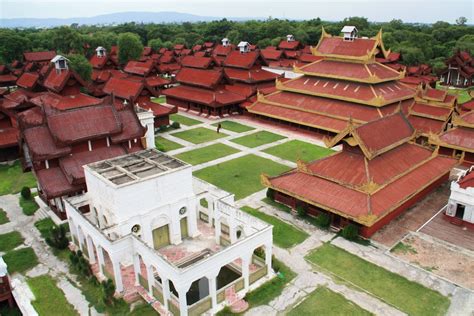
[(257, 275), (200, 307)]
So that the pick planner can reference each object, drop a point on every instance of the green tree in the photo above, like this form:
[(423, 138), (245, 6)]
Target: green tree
[(81, 66), (129, 47), (413, 56), (465, 43), (461, 20), (12, 46), (155, 44), (67, 40)]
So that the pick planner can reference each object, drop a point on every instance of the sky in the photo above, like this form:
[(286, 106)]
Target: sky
[(424, 11)]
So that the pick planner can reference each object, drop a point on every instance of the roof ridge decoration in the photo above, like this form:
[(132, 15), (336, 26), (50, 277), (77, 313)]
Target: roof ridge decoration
[(302, 166), (458, 120), (264, 180)]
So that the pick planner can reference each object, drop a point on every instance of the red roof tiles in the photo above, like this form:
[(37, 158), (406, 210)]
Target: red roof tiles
[(39, 56), (199, 77), (41, 144), (241, 60), (337, 46), (123, 88)]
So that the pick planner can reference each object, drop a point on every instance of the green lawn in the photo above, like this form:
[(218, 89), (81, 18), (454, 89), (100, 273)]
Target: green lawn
[(281, 207), (10, 241), (12, 179), (284, 235), (181, 119), (240, 176), (273, 288), (3, 217), (257, 139), (297, 149), (199, 135), (29, 206), (205, 154), (20, 260), (160, 99), (409, 297), (44, 226), (234, 126), (49, 299), (462, 94), (164, 144), (323, 301)]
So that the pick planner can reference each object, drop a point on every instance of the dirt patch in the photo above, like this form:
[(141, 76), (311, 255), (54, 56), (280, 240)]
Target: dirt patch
[(414, 217), (450, 263)]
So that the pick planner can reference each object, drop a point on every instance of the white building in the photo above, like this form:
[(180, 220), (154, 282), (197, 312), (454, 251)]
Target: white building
[(180, 238), (460, 208)]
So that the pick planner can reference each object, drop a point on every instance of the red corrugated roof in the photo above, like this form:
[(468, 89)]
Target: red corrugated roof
[(98, 62), (467, 181), (8, 137), (59, 102), (221, 50), (41, 144), (39, 56), (271, 54), (72, 166), (337, 46), (426, 125), (196, 62), (31, 117), (54, 184), (85, 123), (156, 81), (123, 88), (459, 137), (57, 80), (7, 78), (204, 96), (241, 60), (158, 109), (250, 76), (375, 138), (199, 77), (289, 45), (131, 127), (139, 68), (28, 80)]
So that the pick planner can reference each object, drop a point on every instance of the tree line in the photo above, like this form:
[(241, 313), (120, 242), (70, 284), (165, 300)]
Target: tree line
[(418, 43)]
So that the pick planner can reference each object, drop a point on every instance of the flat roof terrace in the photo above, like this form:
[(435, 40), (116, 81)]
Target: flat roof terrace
[(135, 167)]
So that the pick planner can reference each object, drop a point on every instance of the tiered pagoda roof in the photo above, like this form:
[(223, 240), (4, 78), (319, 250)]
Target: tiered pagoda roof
[(344, 83), (377, 172)]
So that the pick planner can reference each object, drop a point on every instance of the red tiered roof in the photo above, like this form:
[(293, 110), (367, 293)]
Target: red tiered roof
[(59, 102), (196, 62), (54, 183), (241, 60), (459, 138), (41, 144), (57, 80), (367, 188), (214, 98), (123, 88), (98, 62), (140, 68), (271, 54), (291, 45), (337, 46)]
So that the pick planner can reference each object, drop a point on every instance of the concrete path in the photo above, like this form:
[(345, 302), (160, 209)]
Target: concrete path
[(48, 262)]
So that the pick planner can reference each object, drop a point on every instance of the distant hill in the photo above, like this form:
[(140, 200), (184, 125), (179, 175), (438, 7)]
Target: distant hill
[(114, 18)]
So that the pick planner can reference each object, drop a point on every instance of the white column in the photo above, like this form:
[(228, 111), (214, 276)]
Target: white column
[(166, 292), (232, 230), (150, 278), (246, 260), (80, 238), (213, 292), (117, 275), (183, 302), (100, 257), (136, 268), (217, 230), (268, 258), (90, 250)]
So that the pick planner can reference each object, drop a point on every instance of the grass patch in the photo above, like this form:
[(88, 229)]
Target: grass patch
[(20, 260), (240, 176), (409, 297), (403, 248), (257, 139), (12, 179), (184, 120), (297, 149), (160, 99), (280, 206), (29, 206), (3, 217), (10, 241), (44, 226), (205, 154), (199, 135), (273, 288), (284, 235), (48, 297), (461, 93), (323, 301), (234, 126), (164, 144)]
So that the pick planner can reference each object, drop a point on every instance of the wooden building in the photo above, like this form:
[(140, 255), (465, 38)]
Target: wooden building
[(379, 173), (460, 71)]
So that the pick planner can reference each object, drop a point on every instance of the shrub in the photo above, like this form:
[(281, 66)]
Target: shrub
[(301, 211), (323, 220), (271, 194), (80, 263), (26, 193), (57, 237), (108, 291), (175, 125), (350, 232), (259, 252)]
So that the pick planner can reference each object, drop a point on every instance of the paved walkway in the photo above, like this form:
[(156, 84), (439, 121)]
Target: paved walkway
[(48, 262)]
